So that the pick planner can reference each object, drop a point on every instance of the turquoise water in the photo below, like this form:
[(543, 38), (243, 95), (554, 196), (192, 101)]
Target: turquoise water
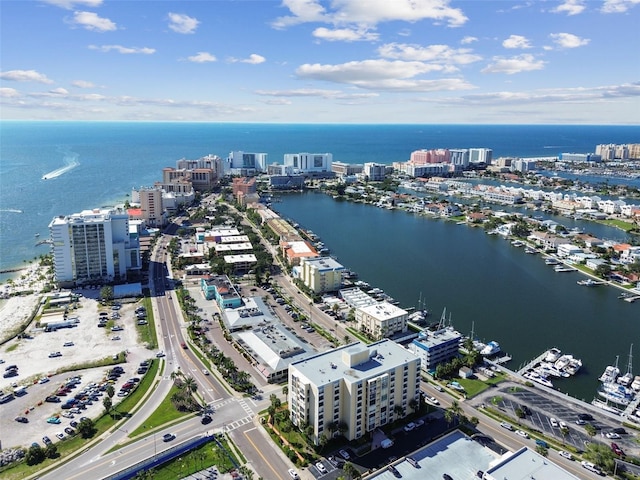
[(105, 160)]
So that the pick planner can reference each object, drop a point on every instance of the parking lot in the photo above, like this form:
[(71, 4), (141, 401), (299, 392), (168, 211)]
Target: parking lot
[(548, 414), (42, 354)]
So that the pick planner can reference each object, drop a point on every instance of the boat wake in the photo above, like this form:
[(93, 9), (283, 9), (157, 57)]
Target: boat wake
[(71, 161), (10, 210)]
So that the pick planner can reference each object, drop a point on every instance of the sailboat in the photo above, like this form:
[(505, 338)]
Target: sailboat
[(627, 378)]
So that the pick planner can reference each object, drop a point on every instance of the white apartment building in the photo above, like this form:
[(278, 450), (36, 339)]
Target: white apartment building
[(480, 155), (308, 162), (381, 320), (93, 246), (375, 172), (459, 156), (245, 163), (357, 387), (321, 274)]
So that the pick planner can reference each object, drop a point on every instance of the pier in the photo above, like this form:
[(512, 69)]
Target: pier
[(533, 363)]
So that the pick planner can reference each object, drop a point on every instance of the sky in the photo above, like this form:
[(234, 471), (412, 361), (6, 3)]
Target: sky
[(317, 61)]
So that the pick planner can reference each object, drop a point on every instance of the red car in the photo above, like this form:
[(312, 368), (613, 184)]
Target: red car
[(183, 345), (616, 449)]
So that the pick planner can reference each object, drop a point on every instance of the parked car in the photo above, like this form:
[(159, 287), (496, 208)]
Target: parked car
[(293, 474), (409, 426), (321, 468), (22, 419), (54, 420), (554, 423), (344, 454), (52, 399), (565, 454), (46, 440), (69, 431), (616, 449)]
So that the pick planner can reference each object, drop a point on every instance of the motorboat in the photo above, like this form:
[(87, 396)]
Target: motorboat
[(589, 282), (552, 355), (551, 261), (490, 348), (536, 377), (610, 373)]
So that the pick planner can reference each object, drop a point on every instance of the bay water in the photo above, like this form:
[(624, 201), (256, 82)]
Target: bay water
[(508, 296)]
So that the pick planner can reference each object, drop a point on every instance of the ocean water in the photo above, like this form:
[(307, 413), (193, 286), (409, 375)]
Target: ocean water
[(97, 164)]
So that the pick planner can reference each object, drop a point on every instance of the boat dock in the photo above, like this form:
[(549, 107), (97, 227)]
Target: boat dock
[(533, 363), (502, 359)]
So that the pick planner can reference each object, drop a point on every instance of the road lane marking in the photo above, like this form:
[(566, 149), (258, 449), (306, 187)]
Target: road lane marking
[(261, 455)]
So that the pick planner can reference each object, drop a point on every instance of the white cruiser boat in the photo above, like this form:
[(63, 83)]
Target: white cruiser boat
[(490, 348), (553, 354), (551, 261), (536, 377), (610, 373)]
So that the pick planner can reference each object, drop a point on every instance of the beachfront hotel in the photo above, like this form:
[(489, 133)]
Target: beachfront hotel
[(93, 246), (354, 389)]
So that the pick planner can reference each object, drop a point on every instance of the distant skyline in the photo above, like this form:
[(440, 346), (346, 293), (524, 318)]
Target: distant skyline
[(312, 61)]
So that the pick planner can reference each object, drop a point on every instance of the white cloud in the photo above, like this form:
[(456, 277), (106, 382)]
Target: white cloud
[(181, 23), (6, 92), (315, 92), (71, 4), (431, 53), (520, 63), (123, 50), (618, 6), (82, 84), (549, 96), (382, 74), (568, 40), (202, 57), (370, 13), (59, 91), (277, 101), (468, 39), (254, 59), (91, 21), (25, 76), (344, 35), (570, 7), (516, 41)]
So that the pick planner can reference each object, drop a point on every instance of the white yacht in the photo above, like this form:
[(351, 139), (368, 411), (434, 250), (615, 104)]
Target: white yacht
[(490, 348), (553, 354), (610, 373)]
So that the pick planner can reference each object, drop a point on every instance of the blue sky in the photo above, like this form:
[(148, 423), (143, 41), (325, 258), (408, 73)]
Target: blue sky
[(315, 61)]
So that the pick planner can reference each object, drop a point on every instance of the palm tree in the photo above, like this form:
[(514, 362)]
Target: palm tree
[(190, 384), (414, 403), (350, 471), (564, 431), (398, 411)]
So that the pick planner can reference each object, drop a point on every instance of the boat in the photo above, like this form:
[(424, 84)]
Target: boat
[(632, 299), (551, 261), (547, 369), (575, 364), (552, 355), (536, 377), (563, 268), (636, 383), (610, 373), (517, 243), (530, 250), (589, 282), (37, 235), (563, 362), (491, 348), (615, 393), (627, 379)]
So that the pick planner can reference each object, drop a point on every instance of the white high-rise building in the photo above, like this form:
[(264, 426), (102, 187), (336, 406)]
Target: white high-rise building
[(93, 246), (354, 389), (246, 163), (308, 162), (480, 155)]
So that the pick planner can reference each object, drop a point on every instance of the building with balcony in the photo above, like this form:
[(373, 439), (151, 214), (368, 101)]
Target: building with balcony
[(321, 274), (354, 389), (308, 162), (381, 320), (93, 246)]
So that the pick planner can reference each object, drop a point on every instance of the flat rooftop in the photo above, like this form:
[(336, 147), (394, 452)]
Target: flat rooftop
[(454, 454), (354, 362), (383, 311), (526, 463), (324, 263)]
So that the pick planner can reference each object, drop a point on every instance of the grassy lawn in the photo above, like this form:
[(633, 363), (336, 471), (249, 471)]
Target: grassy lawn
[(474, 386), (165, 413), (147, 333), (358, 335), (622, 225)]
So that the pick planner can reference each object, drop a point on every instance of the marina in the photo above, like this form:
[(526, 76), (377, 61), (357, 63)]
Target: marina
[(551, 364)]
